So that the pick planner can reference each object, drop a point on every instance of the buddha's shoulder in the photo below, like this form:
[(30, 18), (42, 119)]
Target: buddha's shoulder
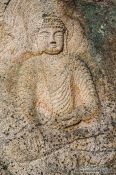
[(32, 64)]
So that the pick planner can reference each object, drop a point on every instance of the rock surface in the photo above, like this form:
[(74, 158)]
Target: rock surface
[(57, 87)]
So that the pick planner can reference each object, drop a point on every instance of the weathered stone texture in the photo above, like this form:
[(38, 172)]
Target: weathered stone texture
[(57, 97)]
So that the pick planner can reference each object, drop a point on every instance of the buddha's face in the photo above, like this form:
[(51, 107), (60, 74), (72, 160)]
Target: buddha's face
[(51, 40)]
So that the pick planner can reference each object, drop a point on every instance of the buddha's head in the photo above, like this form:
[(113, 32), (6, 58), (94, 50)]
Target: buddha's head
[(51, 35)]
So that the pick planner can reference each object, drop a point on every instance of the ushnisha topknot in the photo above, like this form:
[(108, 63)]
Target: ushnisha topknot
[(52, 21)]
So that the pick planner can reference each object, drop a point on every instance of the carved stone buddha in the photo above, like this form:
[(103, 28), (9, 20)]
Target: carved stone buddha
[(55, 86), (55, 99)]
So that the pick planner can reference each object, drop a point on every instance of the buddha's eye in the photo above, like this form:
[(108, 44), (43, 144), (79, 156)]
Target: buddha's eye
[(44, 34), (59, 34)]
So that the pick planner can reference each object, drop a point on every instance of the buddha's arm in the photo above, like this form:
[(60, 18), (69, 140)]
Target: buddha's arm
[(29, 134), (25, 90), (84, 95), (85, 98)]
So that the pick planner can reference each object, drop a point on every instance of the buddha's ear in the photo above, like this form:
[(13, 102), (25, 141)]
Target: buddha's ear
[(65, 50)]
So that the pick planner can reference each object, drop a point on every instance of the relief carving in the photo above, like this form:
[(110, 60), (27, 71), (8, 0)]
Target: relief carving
[(56, 85), (52, 120), (53, 92)]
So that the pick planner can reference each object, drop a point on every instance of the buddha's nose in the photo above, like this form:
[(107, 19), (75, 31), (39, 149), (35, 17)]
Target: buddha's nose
[(52, 40)]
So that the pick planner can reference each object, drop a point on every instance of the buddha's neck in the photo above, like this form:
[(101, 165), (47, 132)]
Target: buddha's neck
[(54, 59)]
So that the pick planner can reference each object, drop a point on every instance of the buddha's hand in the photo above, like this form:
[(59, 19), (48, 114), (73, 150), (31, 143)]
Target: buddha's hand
[(68, 120)]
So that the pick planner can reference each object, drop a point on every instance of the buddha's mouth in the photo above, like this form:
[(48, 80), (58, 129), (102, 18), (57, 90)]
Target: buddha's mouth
[(53, 46)]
